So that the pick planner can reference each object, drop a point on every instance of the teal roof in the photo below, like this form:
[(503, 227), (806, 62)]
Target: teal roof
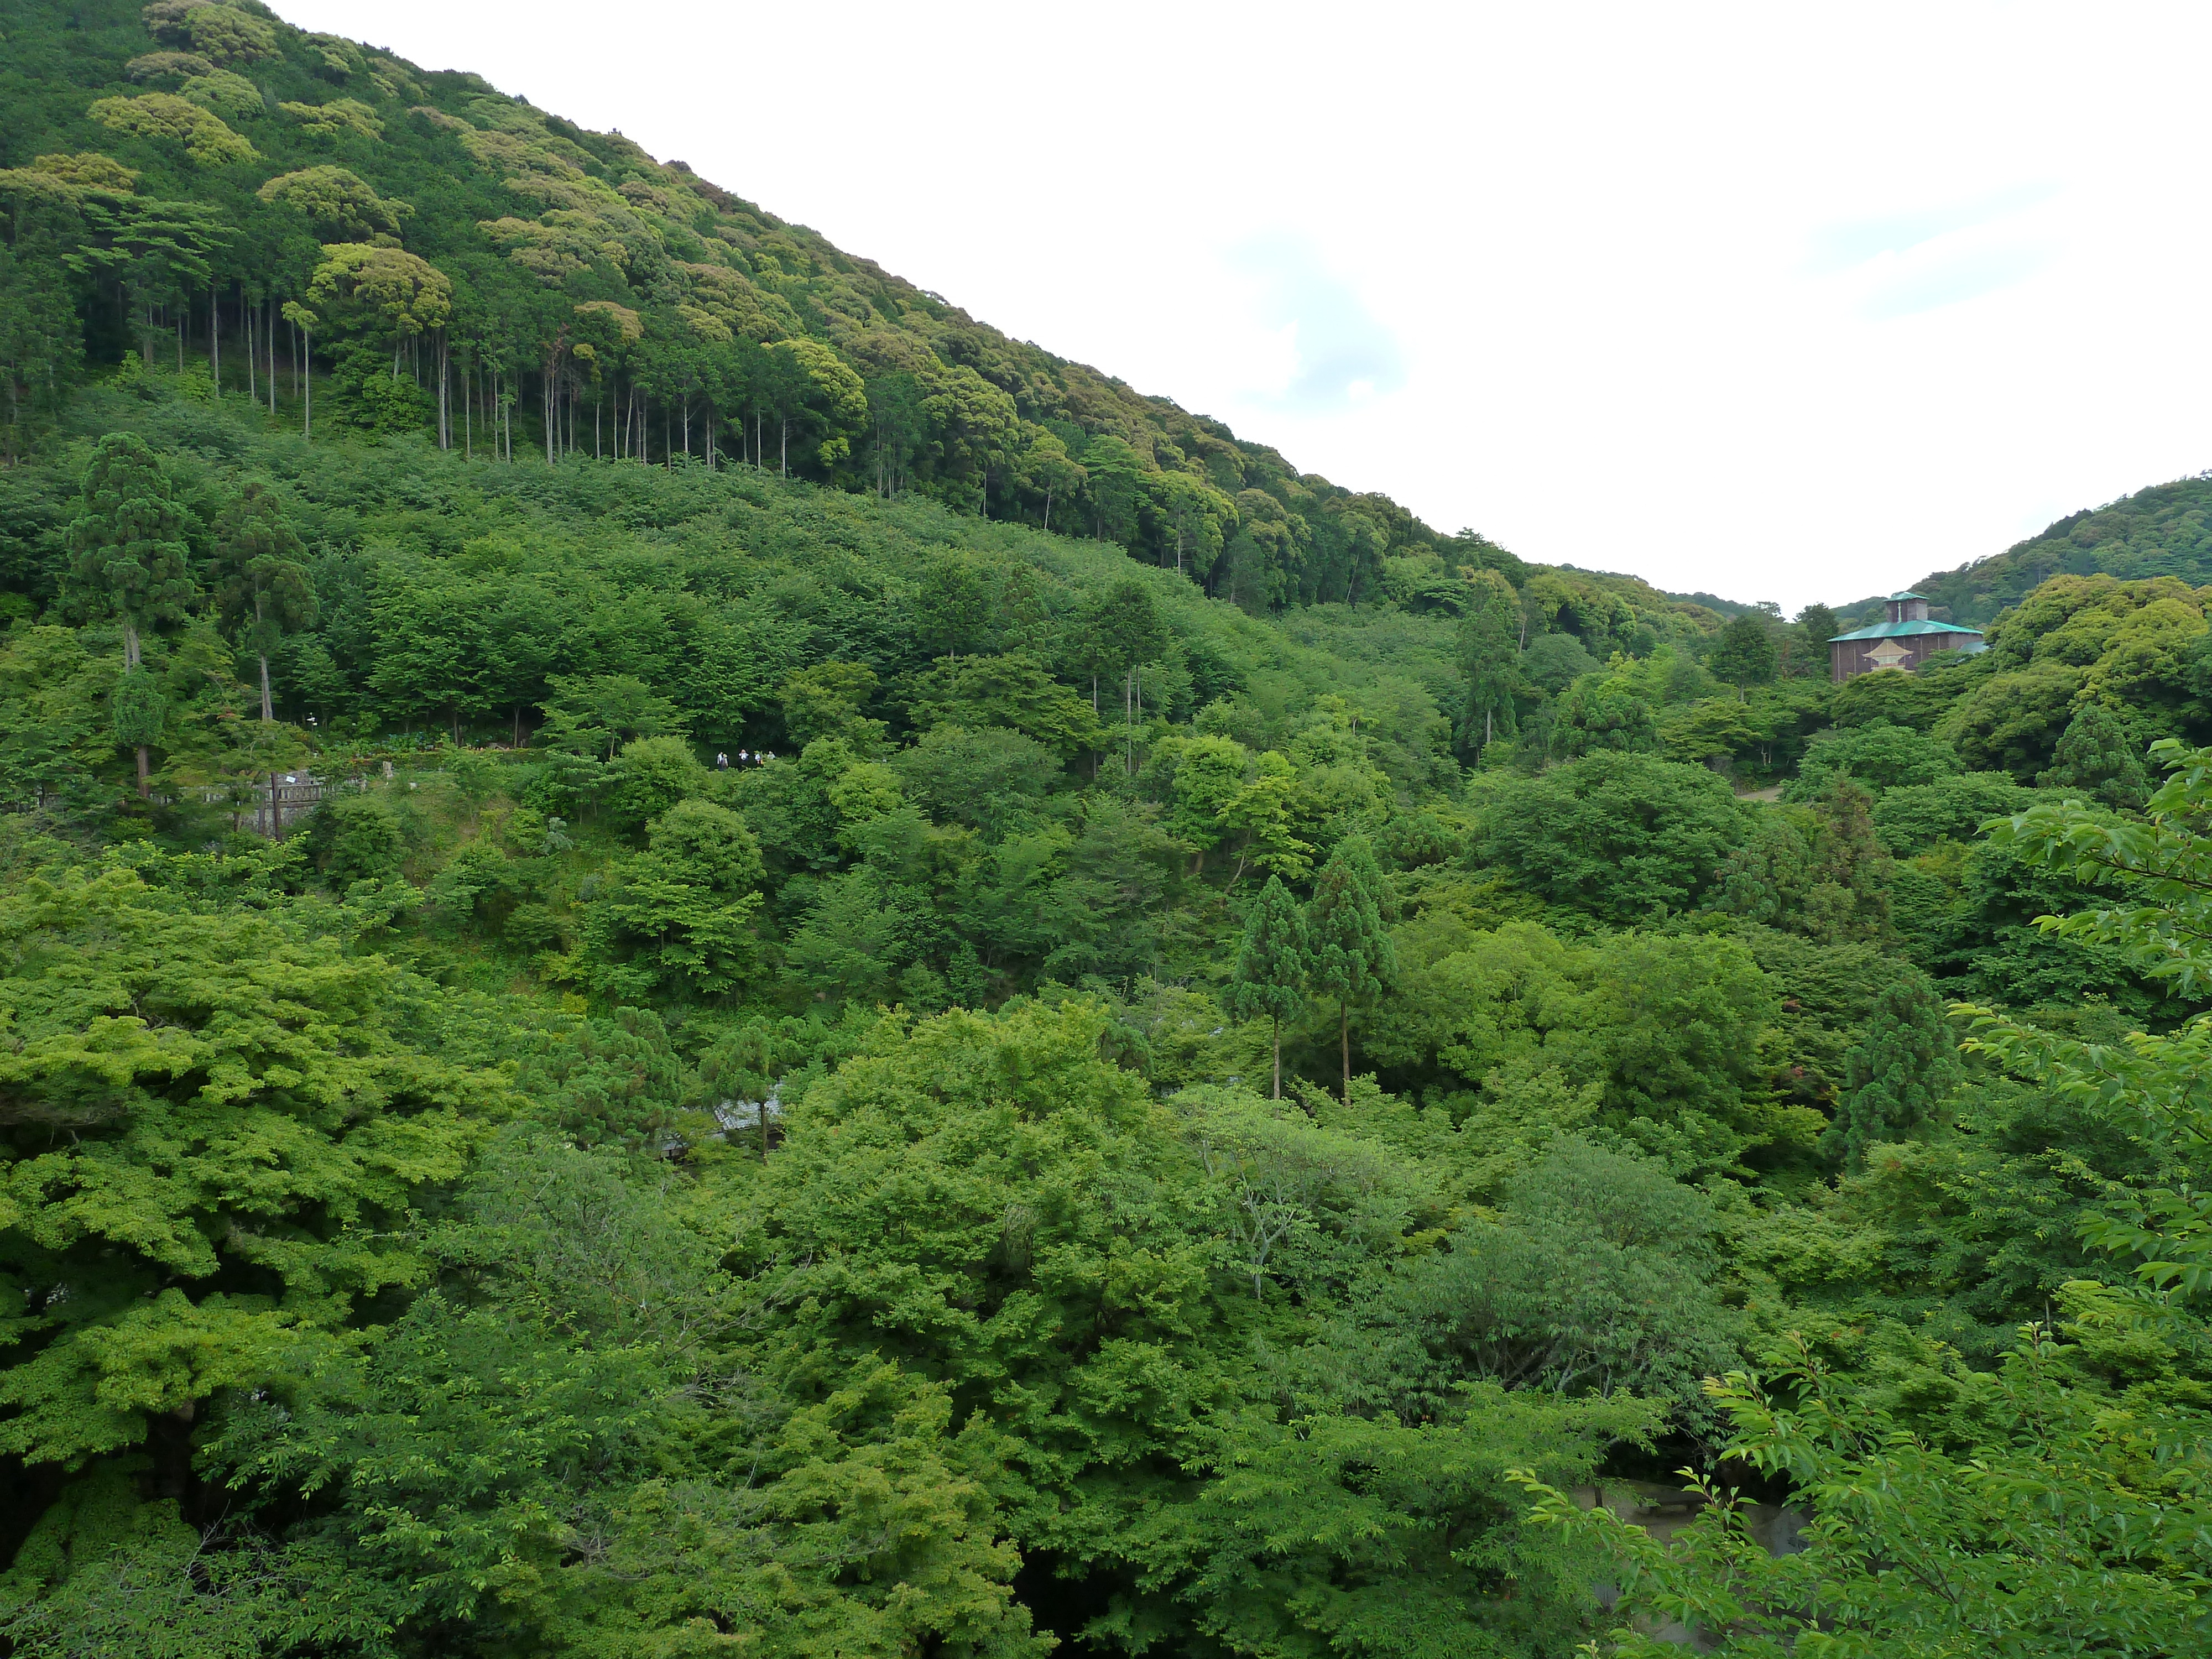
[(1894, 596), (1897, 630)]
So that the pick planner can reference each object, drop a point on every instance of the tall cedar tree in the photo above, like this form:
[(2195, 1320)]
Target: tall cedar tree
[(1849, 896), (128, 559), (1350, 955), (262, 589), (1489, 655), (1897, 1072), (2097, 757), (1271, 966)]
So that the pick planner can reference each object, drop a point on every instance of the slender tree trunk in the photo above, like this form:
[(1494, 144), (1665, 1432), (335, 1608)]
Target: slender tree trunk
[(1344, 1037), (1047, 512), (131, 665), (245, 325), (215, 339), (268, 704), (783, 450), (445, 399), (1278, 1056), (308, 384)]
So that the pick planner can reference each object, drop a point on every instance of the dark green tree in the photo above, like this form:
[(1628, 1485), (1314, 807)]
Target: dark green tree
[(1271, 966), (129, 560), (955, 606), (41, 344), (1350, 955), (1116, 633), (1489, 642), (1744, 654), (261, 588), (2099, 756), (1809, 653), (1897, 1072)]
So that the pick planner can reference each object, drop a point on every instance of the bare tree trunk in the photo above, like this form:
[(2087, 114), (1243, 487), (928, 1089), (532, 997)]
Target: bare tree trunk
[(215, 340), (1278, 1056), (246, 322), (308, 384), (1344, 1037)]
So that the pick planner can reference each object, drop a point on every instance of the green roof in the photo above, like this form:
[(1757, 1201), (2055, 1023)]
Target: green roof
[(1895, 630), (1895, 596)]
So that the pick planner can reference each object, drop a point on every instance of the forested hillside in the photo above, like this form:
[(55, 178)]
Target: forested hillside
[(461, 263), (622, 1051), (2161, 531)]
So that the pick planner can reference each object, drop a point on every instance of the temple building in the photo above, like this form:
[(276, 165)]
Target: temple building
[(1906, 641)]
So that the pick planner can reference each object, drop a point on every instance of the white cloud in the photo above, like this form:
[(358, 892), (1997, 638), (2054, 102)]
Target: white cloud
[(1782, 302)]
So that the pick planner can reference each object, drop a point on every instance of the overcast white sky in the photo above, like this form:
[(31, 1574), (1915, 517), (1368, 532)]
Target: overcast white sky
[(1780, 301)]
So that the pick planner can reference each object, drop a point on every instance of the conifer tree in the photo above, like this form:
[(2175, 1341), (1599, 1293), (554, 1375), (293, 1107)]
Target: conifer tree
[(1350, 955), (1271, 966), (263, 591), (1848, 875), (1808, 651), (128, 560), (1489, 653), (1897, 1072), (2097, 754)]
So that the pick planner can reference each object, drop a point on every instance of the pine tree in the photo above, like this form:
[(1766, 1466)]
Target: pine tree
[(128, 560), (1898, 1073), (1271, 966), (1350, 955)]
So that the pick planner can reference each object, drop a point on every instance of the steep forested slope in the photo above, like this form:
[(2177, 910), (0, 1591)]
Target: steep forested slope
[(537, 286)]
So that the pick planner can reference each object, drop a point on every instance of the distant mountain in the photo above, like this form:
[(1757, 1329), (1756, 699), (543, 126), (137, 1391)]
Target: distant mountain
[(1712, 602), (2164, 530)]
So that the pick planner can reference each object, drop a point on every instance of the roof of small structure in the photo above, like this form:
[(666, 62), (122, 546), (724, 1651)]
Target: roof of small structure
[(1897, 629), (1895, 596)]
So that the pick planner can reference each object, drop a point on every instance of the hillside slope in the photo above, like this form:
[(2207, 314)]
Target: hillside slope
[(194, 162), (2163, 531)]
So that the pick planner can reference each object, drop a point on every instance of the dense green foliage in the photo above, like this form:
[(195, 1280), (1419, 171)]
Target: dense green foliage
[(825, 1072)]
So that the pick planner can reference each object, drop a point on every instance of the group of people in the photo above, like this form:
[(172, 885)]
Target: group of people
[(746, 757)]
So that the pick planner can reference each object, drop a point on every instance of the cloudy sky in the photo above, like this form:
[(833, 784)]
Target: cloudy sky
[(1786, 302)]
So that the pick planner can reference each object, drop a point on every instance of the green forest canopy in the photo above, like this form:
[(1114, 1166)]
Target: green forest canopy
[(742, 1117)]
